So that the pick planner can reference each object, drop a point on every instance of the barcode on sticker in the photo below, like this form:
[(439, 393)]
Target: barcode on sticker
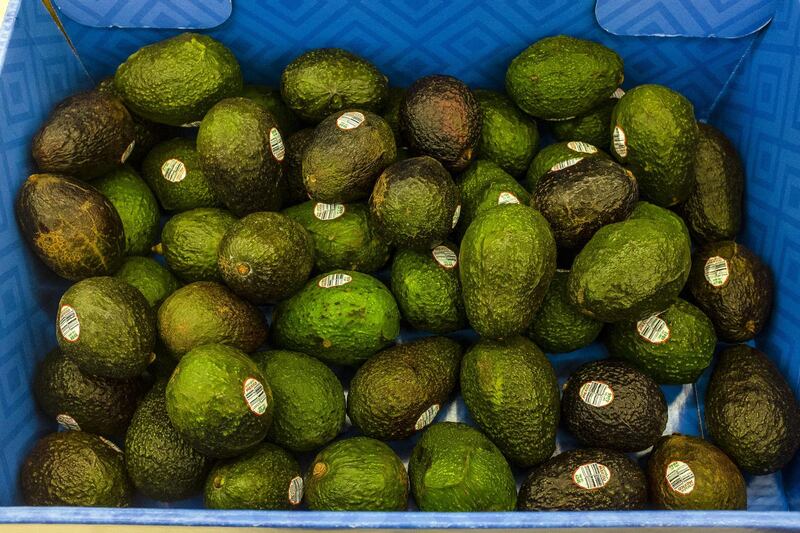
[(276, 144), (67, 422), (68, 323), (110, 444), (173, 170), (255, 396), (427, 417), (334, 280), (680, 477), (619, 93), (456, 215), (446, 257), (565, 164), (620, 142), (296, 490), (591, 476), (654, 329), (350, 120), (328, 211), (596, 393), (507, 198), (582, 147), (716, 271), (127, 153)]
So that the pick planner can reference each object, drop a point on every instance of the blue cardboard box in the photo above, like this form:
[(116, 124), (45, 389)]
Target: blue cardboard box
[(737, 60)]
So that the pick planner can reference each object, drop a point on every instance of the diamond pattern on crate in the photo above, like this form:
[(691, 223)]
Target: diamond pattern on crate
[(151, 14)]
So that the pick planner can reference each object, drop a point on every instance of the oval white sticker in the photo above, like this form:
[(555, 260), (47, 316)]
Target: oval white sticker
[(328, 211), (296, 490), (680, 477), (596, 393), (68, 323), (128, 151), (173, 170), (716, 271), (653, 329), (591, 476), (110, 444), (350, 120), (620, 142), (507, 198), (456, 215), (276, 144), (618, 93), (334, 280), (255, 396), (446, 257), (584, 148), (561, 165), (427, 417), (67, 422)]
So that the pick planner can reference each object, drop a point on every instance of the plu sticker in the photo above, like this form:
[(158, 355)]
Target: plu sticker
[(194, 124), (591, 476), (456, 215), (561, 165), (328, 211), (582, 147), (680, 477), (110, 444), (427, 417), (654, 330), (717, 271), (276, 144), (507, 198), (350, 120), (334, 280), (67, 422), (127, 153), (618, 93), (68, 323), (255, 396), (296, 490), (619, 141), (596, 393), (173, 170), (446, 257)]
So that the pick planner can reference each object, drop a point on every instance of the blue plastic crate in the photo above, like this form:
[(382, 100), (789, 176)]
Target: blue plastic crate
[(738, 61)]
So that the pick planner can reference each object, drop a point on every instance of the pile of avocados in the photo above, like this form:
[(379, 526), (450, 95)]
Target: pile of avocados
[(244, 259)]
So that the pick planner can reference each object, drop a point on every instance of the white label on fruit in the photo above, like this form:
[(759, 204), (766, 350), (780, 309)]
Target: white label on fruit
[(255, 396), (560, 119), (567, 163), (68, 323), (620, 142), (127, 153), (596, 393), (507, 198), (680, 477), (654, 330), (111, 444), (194, 124), (350, 120), (427, 417), (328, 211), (173, 170), (456, 215), (276, 144), (591, 476), (445, 257), (619, 93), (579, 146), (67, 422), (334, 280), (716, 271), (296, 490)]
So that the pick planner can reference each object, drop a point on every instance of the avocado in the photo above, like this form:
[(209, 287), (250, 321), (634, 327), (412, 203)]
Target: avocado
[(153, 280), (504, 285), (482, 185), (584, 480), (415, 203), (219, 401), (581, 198), (610, 404), (501, 194), (70, 226), (136, 205), (655, 134), (357, 474), (559, 156), (428, 290), (206, 312), (266, 257), (688, 473), (106, 327), (294, 190), (190, 242), (511, 392), (177, 80), (270, 99), (326, 80), (561, 77), (309, 400), (713, 209), (400, 390), (632, 269), (172, 169), (348, 151), (441, 118), (751, 412), (591, 127), (455, 468), (672, 347), (391, 111), (557, 325), (733, 287), (267, 477), (75, 468), (86, 135), (341, 317), (80, 401), (160, 463), (344, 237), (664, 216), (241, 153), (509, 137)]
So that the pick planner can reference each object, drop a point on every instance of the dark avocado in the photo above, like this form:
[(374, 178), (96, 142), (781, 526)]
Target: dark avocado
[(294, 190)]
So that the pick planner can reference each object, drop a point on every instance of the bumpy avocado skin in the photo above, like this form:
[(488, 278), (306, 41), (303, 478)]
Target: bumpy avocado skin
[(559, 155), (509, 137)]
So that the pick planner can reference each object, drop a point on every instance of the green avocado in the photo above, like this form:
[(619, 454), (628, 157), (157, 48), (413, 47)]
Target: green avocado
[(559, 156), (357, 474), (294, 190), (342, 317), (172, 169), (504, 285), (509, 137), (177, 80), (400, 390), (591, 127), (153, 280), (455, 468), (270, 99), (482, 186), (511, 392)]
